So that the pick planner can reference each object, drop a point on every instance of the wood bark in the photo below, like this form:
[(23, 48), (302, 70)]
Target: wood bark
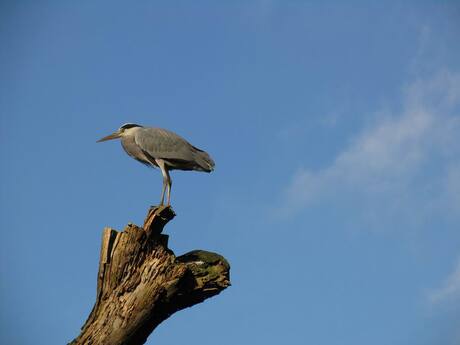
[(141, 282)]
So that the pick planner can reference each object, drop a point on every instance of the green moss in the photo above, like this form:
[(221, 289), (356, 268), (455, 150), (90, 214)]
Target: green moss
[(207, 258)]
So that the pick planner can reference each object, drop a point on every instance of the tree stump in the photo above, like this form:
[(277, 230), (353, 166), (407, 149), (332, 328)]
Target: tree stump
[(141, 282)]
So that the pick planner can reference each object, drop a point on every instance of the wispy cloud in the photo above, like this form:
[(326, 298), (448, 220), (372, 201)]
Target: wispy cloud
[(406, 161), (449, 291)]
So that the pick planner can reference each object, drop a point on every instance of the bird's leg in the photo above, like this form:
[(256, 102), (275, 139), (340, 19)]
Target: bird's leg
[(166, 180), (169, 188), (163, 192)]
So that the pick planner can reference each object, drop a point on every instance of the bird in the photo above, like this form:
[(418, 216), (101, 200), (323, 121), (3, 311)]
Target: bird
[(161, 148)]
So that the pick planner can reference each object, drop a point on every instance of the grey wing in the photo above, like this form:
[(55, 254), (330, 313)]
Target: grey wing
[(177, 152)]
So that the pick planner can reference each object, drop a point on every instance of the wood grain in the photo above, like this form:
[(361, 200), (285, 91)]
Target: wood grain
[(141, 282)]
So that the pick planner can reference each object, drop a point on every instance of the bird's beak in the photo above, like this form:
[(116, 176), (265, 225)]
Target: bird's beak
[(115, 135)]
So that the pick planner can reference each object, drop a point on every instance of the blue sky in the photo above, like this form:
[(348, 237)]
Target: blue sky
[(336, 195)]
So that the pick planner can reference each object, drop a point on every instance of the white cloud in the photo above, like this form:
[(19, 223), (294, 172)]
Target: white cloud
[(405, 161), (449, 291)]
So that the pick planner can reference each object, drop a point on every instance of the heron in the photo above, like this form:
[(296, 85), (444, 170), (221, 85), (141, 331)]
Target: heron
[(161, 148)]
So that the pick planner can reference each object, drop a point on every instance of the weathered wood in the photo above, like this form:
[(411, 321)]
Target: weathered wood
[(157, 218), (141, 282)]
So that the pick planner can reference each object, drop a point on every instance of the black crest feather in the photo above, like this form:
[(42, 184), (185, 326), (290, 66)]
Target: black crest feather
[(129, 125)]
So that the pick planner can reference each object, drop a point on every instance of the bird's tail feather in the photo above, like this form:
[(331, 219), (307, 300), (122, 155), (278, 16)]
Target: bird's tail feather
[(204, 160)]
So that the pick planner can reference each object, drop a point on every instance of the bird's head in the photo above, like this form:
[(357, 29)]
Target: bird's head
[(122, 131)]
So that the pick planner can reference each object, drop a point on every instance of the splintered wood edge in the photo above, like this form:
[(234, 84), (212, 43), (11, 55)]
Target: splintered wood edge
[(108, 238), (157, 217)]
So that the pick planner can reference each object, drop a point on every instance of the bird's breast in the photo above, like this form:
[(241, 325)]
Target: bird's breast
[(133, 150)]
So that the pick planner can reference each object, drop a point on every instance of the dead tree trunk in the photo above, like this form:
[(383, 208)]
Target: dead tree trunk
[(141, 282)]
